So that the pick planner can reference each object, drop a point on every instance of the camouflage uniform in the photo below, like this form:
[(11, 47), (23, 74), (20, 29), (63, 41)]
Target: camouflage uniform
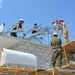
[(57, 52), (65, 33)]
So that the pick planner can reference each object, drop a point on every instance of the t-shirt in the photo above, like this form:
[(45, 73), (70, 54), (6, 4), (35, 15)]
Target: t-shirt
[(56, 42), (13, 27)]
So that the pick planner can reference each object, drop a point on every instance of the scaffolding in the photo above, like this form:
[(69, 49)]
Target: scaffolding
[(42, 36), (68, 68), (42, 33), (16, 71)]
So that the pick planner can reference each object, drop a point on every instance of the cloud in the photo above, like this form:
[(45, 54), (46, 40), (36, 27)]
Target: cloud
[(1, 2)]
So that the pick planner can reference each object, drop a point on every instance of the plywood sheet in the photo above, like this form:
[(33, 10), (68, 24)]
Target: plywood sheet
[(70, 47)]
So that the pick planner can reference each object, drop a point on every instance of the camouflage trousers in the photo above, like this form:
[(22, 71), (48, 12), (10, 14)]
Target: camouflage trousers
[(57, 57)]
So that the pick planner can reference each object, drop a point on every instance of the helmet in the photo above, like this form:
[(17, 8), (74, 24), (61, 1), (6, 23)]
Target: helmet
[(35, 24), (55, 34), (21, 20), (61, 21), (56, 21)]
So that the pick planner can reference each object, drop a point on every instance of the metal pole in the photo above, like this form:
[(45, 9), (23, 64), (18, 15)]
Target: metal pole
[(47, 38), (15, 73), (36, 72), (52, 71)]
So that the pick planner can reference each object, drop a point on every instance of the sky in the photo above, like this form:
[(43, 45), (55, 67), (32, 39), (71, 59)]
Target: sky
[(38, 11)]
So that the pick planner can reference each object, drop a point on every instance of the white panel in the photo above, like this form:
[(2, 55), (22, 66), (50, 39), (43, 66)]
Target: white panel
[(6, 42), (1, 28), (11, 57)]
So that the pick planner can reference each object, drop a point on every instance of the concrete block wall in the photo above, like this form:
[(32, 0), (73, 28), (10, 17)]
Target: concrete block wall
[(42, 52)]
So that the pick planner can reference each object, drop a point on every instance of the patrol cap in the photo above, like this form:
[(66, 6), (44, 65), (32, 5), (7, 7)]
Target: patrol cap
[(55, 34)]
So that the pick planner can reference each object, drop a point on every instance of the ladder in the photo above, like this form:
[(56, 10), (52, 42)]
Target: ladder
[(64, 58)]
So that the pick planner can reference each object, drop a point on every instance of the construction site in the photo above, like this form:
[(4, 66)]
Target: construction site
[(30, 54)]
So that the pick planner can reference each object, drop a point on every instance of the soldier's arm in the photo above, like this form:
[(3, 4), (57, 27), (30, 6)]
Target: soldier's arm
[(50, 43), (17, 27), (61, 41)]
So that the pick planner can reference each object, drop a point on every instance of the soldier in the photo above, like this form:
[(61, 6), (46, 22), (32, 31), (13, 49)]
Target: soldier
[(64, 31), (34, 28), (56, 50), (60, 25), (19, 25)]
